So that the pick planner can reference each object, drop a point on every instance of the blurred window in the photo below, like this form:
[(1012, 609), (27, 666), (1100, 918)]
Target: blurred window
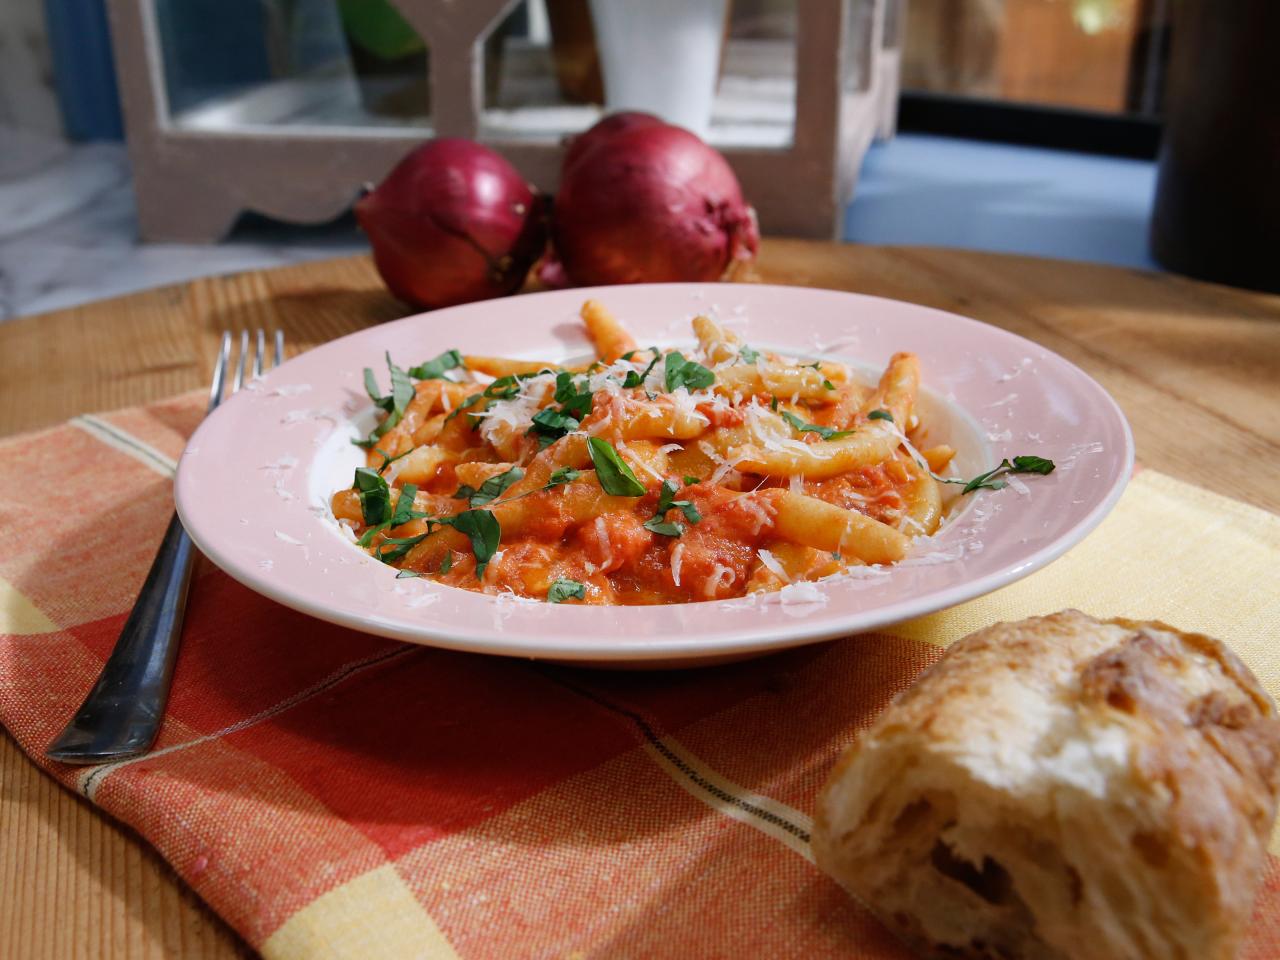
[(1104, 56)]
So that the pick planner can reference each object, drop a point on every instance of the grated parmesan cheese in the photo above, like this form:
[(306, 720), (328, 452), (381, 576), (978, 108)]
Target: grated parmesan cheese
[(772, 565)]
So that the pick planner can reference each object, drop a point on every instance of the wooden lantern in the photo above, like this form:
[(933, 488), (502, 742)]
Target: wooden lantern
[(193, 179)]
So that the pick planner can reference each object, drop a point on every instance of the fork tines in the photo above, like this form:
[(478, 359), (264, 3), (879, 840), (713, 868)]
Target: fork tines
[(258, 363)]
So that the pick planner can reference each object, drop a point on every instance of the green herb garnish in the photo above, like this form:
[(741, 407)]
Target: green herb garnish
[(491, 489), (690, 481), (407, 574), (680, 372), (393, 548), (549, 425), (447, 563), (563, 590), (612, 471), (663, 527), (987, 481), (466, 404), (435, 369), (747, 354), (485, 533), (880, 415), (573, 402), (375, 495), (562, 475), (826, 433), (634, 379), (387, 459), (828, 385), (404, 511), (667, 501), (395, 404)]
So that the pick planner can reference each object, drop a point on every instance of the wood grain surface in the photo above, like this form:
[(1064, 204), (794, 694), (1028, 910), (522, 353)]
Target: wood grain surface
[(1195, 367)]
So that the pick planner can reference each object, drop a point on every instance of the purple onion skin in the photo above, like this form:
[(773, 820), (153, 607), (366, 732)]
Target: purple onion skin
[(454, 222), (606, 129), (650, 203)]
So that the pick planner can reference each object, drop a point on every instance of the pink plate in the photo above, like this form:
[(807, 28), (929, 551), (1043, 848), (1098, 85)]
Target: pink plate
[(254, 482)]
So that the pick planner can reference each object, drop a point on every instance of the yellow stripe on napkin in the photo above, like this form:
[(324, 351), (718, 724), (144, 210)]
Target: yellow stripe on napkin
[(18, 615), (374, 915)]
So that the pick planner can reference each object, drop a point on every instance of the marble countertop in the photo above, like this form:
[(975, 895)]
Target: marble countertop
[(69, 231)]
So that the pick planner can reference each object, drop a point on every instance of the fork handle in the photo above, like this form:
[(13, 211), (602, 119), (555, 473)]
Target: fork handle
[(122, 713)]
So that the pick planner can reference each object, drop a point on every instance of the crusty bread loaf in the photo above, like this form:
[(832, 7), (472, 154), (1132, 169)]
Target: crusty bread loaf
[(1060, 788)]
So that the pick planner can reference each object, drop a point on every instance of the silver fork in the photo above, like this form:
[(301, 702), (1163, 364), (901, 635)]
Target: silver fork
[(122, 713)]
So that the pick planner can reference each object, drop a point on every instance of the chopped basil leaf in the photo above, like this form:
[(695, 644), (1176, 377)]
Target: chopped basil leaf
[(690, 481), (399, 546), (562, 475), (667, 501), (447, 563), (404, 506), (573, 402), (628, 355), (466, 404), (550, 425), (563, 590), (612, 471), (434, 369), (366, 538), (880, 415), (680, 372), (773, 403), (401, 388), (634, 379), (407, 574), (826, 433), (828, 385), (663, 527), (485, 533), (401, 393), (816, 365), (371, 387), (387, 459), (375, 495), (748, 355), (491, 489)]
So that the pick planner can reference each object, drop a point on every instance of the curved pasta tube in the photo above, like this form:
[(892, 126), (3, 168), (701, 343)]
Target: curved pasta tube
[(650, 421), (871, 445), (440, 394), (897, 389), (610, 337), (718, 344), (419, 465), (474, 473), (504, 367), (780, 380), (816, 523), (923, 513)]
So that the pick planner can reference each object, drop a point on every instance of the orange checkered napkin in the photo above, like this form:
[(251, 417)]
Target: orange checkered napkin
[(338, 795)]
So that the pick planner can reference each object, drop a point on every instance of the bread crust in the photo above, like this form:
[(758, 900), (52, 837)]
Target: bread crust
[(1062, 787)]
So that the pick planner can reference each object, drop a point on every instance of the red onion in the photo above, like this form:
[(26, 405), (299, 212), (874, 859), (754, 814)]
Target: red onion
[(452, 223), (649, 202), (604, 130)]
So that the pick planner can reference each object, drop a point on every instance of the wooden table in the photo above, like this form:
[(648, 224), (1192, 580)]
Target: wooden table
[(1196, 368)]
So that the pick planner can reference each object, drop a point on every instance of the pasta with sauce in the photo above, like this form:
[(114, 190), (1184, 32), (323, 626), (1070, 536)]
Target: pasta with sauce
[(646, 476)]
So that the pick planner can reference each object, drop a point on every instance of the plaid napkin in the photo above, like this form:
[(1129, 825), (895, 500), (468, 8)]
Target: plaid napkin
[(338, 795)]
